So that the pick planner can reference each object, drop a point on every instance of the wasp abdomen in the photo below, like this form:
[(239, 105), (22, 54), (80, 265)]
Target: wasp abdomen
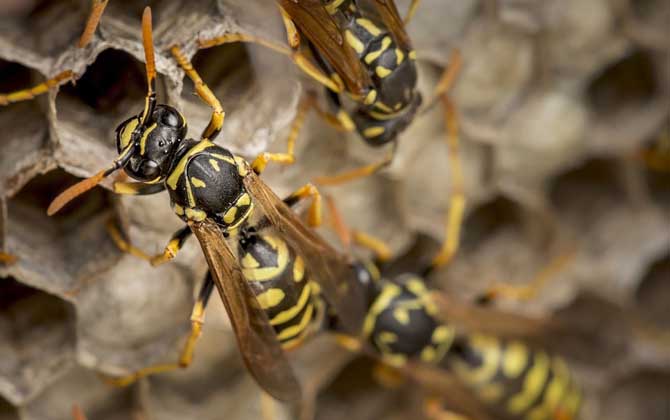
[(282, 286)]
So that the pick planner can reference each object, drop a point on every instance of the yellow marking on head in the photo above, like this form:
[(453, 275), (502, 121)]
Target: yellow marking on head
[(244, 200), (371, 132), (332, 7), (382, 71), (270, 298), (230, 215), (401, 315), (354, 42), (412, 55), (127, 131), (178, 209), (369, 26), (489, 349), (143, 139), (399, 56), (388, 293), (371, 97), (292, 312), (177, 172), (298, 269), (270, 273), (443, 334), (195, 214), (215, 165), (248, 261), (294, 330), (224, 158), (198, 183), (128, 188), (515, 358), (532, 386)]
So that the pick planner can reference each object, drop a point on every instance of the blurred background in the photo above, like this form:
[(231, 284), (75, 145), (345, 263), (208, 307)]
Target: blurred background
[(565, 144)]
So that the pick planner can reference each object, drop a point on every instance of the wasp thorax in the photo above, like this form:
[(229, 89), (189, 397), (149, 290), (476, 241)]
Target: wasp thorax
[(154, 142)]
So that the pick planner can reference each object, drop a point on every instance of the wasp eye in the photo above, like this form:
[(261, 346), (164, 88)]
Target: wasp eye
[(161, 143), (170, 118)]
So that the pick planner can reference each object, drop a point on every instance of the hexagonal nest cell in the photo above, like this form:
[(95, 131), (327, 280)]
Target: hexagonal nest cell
[(550, 147), (58, 253)]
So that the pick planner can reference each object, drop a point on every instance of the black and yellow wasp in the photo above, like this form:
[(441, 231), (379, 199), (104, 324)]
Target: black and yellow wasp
[(219, 195)]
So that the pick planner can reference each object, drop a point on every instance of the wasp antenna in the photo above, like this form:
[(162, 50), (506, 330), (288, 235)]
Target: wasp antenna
[(74, 191), (92, 22), (77, 413), (150, 63)]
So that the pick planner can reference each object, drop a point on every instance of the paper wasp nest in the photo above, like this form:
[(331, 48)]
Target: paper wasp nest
[(555, 100)]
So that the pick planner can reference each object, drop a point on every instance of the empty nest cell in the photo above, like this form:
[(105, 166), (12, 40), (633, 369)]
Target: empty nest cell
[(58, 253), (36, 340)]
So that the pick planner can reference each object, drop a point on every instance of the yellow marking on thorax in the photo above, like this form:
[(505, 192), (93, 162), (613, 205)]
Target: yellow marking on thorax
[(371, 132), (401, 315), (179, 210), (224, 158), (345, 120), (244, 200), (382, 71), (532, 385), (173, 179), (242, 166), (383, 107), (127, 131), (412, 55), (395, 360), (294, 330), (489, 349), (269, 273), (354, 42), (388, 293), (399, 56), (442, 338), (271, 298), (558, 386), (515, 358), (215, 165), (198, 183), (369, 26), (292, 312), (195, 214), (372, 56), (230, 215), (298, 269), (145, 135)]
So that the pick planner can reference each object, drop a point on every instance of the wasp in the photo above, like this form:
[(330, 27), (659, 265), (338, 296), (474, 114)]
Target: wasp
[(220, 197)]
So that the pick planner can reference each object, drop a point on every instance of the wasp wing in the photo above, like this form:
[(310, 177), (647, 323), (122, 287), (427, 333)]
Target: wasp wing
[(316, 24), (260, 349), (388, 13), (331, 269)]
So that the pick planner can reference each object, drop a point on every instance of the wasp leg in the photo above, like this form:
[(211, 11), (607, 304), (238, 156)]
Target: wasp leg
[(411, 11), (30, 93), (304, 63), (171, 249), (529, 290), (186, 356), (387, 376), (357, 173), (77, 412), (92, 22), (7, 258), (216, 121), (457, 200), (314, 216), (137, 188)]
